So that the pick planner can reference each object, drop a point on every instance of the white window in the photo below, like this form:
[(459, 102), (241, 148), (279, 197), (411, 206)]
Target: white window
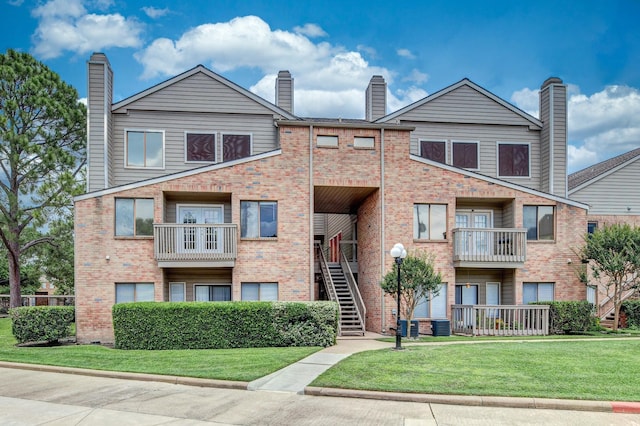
[(177, 292), (212, 293), (429, 221), (364, 142), (134, 292), (144, 148), (539, 221), (199, 147), (327, 141), (260, 291), (258, 219), (435, 307), (537, 292), (134, 217)]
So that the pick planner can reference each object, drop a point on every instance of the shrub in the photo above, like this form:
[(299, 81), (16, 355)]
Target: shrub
[(632, 309), (217, 325), (570, 316), (41, 323)]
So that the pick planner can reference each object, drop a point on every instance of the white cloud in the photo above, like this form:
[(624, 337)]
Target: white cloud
[(329, 80), (580, 157), (65, 25), (527, 100), (310, 30), (370, 51), (154, 12), (405, 53), (416, 76)]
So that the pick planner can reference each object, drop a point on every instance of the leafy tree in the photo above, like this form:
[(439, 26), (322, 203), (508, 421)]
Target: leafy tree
[(42, 150), (56, 258), (418, 282), (614, 257)]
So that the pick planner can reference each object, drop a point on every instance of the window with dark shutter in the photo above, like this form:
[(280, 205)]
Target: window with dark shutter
[(235, 146), (465, 155), (513, 160), (434, 150), (201, 147)]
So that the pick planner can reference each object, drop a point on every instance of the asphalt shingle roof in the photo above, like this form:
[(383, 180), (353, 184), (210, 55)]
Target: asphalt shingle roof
[(582, 176)]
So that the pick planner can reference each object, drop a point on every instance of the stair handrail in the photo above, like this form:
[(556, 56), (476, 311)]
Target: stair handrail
[(361, 309), (609, 310), (328, 281)]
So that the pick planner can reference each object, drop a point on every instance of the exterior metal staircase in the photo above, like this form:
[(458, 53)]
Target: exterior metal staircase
[(341, 288)]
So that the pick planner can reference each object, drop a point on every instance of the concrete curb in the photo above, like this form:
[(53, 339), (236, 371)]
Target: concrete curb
[(177, 380), (485, 401)]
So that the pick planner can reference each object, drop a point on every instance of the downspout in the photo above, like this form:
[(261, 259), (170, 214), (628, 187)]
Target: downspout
[(311, 216), (382, 230), (552, 143)]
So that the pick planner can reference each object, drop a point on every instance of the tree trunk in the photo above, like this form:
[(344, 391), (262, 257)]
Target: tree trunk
[(617, 296), (15, 298)]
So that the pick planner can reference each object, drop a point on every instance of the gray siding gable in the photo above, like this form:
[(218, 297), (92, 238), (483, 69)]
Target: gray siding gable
[(200, 90), (614, 192), (464, 102)]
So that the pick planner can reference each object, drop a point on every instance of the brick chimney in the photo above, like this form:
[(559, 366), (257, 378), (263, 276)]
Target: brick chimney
[(376, 98), (553, 149), (284, 91)]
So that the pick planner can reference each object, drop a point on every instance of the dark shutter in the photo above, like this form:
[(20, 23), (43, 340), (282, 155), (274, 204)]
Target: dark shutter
[(435, 151), (235, 147), (465, 154), (201, 147)]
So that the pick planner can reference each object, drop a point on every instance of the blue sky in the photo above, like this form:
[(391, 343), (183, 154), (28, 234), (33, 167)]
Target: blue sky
[(332, 49)]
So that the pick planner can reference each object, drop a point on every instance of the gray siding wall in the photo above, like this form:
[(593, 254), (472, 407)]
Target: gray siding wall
[(284, 91), (320, 224), (100, 88), (198, 93), (171, 206), (482, 277), (488, 136), (376, 98), (507, 289), (553, 113), (545, 141), (174, 125), (612, 194), (464, 105)]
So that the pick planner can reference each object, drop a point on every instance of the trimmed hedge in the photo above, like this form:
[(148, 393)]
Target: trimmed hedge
[(631, 308), (220, 325), (41, 323), (570, 316)]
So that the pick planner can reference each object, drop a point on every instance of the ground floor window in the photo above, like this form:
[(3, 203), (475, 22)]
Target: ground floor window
[(433, 306), (212, 293), (260, 291), (134, 292), (537, 292), (176, 292)]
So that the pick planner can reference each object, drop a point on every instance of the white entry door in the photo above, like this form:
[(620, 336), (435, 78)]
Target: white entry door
[(200, 239), (475, 242)]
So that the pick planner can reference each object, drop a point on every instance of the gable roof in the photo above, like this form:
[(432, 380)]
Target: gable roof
[(597, 171), (464, 82), (204, 70)]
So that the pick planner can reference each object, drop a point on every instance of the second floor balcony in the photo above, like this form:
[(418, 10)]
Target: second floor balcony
[(195, 245), (489, 247)]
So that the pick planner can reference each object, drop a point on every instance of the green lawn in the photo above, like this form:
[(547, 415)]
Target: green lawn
[(574, 369), (225, 364)]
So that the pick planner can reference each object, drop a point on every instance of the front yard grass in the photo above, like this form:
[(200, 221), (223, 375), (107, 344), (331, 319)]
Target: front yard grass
[(224, 364), (606, 370)]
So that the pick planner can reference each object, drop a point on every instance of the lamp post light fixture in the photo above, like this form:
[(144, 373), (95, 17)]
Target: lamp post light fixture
[(398, 253)]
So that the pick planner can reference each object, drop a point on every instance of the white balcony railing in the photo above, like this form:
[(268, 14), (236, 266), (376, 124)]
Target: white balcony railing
[(500, 320), (496, 245), (195, 242)]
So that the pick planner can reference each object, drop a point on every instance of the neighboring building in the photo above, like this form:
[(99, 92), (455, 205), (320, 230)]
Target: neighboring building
[(200, 190), (610, 189)]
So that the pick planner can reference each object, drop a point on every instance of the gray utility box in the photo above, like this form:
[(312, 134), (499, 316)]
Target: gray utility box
[(441, 327)]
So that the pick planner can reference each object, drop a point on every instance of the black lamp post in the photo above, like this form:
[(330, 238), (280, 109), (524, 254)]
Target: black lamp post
[(398, 253)]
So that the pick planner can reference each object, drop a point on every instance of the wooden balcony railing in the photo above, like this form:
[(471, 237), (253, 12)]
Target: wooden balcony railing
[(500, 320), (199, 244), (475, 246)]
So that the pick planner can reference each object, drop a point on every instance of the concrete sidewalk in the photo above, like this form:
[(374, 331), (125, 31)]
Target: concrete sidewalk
[(295, 379)]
